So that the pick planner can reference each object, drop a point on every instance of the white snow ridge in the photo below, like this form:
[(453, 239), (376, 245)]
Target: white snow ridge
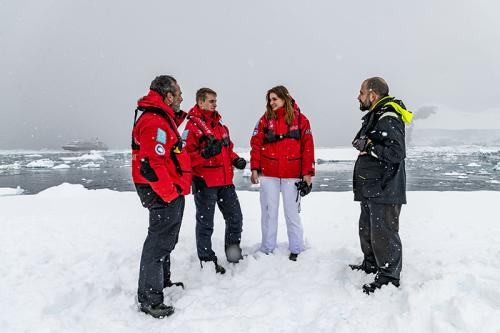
[(70, 259), (5, 191)]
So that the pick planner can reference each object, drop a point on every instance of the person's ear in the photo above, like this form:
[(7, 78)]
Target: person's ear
[(372, 96), (169, 98)]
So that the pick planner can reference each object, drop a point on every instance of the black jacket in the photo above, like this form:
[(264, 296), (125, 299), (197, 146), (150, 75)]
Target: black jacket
[(379, 176)]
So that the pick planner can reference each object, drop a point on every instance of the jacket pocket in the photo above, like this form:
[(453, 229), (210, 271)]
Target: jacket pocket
[(269, 157), (293, 167), (371, 188), (148, 197), (198, 184), (147, 171), (269, 165)]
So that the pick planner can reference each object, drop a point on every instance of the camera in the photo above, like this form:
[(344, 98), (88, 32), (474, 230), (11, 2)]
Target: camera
[(303, 188), (360, 143)]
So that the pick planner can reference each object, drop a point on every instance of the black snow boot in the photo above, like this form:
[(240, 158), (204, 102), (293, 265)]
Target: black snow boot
[(158, 311), (378, 283), (218, 268), (167, 283), (233, 253), (365, 267), (293, 256)]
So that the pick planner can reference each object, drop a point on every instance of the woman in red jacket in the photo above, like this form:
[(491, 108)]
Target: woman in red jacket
[(282, 160)]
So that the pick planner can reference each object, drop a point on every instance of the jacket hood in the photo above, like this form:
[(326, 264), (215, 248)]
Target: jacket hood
[(397, 105), (155, 100)]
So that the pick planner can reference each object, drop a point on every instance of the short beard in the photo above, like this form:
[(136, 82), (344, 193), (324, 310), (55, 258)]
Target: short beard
[(176, 107), (364, 107)]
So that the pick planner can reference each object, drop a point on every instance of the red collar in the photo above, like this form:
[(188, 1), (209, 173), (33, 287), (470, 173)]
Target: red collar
[(206, 115), (153, 99), (281, 112)]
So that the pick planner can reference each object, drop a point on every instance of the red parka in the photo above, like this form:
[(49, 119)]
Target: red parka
[(155, 138), (289, 157), (216, 170)]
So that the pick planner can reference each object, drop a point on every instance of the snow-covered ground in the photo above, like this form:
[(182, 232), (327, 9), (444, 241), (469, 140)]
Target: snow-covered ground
[(5, 191), (70, 260)]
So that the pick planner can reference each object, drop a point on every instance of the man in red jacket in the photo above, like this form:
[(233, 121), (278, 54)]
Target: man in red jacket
[(212, 159), (161, 172)]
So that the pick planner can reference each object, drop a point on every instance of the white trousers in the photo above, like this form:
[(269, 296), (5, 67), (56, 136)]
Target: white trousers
[(270, 188)]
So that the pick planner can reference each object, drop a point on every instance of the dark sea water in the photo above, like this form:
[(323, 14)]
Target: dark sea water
[(465, 168)]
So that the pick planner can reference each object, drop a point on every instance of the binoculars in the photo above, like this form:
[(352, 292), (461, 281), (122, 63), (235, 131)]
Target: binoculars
[(303, 188)]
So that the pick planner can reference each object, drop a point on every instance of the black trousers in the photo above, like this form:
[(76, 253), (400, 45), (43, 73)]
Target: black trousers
[(229, 205), (163, 233), (379, 237)]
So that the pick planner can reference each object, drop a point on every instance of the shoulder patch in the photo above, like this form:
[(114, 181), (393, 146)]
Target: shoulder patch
[(159, 149), (256, 129), (161, 136)]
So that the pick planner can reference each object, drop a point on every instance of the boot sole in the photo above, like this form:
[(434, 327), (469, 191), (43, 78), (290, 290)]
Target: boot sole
[(167, 314)]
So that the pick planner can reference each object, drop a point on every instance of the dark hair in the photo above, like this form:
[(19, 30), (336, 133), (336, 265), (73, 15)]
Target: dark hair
[(283, 94), (163, 85), (378, 86), (201, 94)]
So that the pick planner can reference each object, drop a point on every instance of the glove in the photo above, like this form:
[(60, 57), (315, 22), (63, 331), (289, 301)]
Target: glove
[(360, 143), (213, 148), (303, 188), (239, 163)]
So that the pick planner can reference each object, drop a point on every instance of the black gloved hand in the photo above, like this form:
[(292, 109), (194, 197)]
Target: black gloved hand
[(239, 163), (360, 143), (213, 148), (303, 188)]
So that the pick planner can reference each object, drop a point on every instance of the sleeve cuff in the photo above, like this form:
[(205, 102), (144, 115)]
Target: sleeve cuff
[(370, 148)]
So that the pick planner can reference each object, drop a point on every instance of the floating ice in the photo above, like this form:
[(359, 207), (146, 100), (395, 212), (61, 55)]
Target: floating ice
[(454, 173), (92, 156), (43, 163), (61, 166), (14, 166), (90, 165)]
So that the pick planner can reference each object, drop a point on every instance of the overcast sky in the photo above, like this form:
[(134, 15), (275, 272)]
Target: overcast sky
[(75, 69)]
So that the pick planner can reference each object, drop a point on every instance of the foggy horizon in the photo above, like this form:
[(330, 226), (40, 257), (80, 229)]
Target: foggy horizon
[(75, 70)]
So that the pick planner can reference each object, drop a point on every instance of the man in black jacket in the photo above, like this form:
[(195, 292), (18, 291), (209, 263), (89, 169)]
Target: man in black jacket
[(379, 182)]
